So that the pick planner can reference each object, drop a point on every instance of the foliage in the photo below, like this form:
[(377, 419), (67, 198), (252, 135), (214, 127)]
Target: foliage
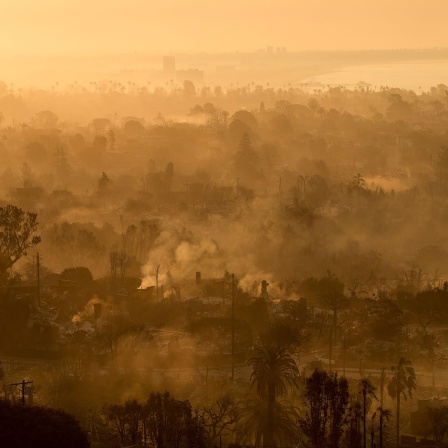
[(27, 427), (246, 117), (79, 274), (220, 418), (322, 289), (326, 399), (353, 434), (76, 244), (384, 416), (403, 380), (402, 383), (274, 371), (428, 306), (125, 420), (383, 319), (367, 390), (281, 333), (218, 331), (163, 421), (17, 235), (133, 127), (246, 158), (138, 241), (254, 425), (439, 421)]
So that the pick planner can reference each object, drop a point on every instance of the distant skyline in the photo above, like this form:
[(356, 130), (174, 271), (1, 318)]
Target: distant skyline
[(173, 26)]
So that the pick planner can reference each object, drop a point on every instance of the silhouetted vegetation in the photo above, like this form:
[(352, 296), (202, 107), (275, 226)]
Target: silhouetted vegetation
[(182, 266)]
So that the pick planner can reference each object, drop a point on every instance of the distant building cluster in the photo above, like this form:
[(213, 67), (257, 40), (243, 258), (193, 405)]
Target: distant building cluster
[(169, 72), (278, 50)]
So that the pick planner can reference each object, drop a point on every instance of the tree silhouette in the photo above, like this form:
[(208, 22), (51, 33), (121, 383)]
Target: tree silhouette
[(245, 149), (189, 88), (439, 421), (326, 398), (384, 414), (172, 423), (359, 182), (17, 229), (32, 426), (367, 390), (246, 158), (220, 418), (353, 433), (313, 105), (274, 370), (403, 382), (255, 420)]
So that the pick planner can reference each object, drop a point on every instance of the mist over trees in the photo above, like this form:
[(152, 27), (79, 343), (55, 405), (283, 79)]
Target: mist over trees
[(244, 266)]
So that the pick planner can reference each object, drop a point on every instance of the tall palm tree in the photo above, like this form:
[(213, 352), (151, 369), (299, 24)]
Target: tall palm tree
[(367, 389), (383, 378), (274, 370), (253, 425), (402, 383), (384, 414)]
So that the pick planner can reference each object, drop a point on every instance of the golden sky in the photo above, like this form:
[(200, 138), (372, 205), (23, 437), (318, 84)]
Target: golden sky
[(125, 26)]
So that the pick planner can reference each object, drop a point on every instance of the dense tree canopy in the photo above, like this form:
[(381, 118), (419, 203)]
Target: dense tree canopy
[(17, 235), (35, 427)]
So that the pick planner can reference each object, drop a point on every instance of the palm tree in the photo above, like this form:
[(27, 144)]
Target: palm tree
[(274, 370), (383, 378), (358, 181), (367, 389), (403, 382), (253, 426), (384, 414)]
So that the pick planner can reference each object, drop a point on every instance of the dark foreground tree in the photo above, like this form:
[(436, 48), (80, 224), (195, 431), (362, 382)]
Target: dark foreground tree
[(274, 370), (367, 390), (220, 418), (326, 398), (36, 427), (402, 384), (384, 416), (254, 424), (17, 229), (161, 422), (439, 422), (125, 421), (172, 423)]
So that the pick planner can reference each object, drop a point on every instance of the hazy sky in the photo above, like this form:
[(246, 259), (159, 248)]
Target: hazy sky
[(98, 26)]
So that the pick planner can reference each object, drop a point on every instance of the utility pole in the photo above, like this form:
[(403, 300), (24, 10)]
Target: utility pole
[(280, 192), (157, 292), (222, 293), (22, 384), (233, 328), (38, 279)]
